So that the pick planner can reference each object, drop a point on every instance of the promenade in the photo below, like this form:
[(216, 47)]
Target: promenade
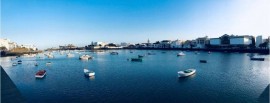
[(9, 91)]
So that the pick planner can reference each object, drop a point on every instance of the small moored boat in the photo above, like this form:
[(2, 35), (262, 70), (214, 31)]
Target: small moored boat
[(40, 74), (70, 55), (20, 62), (85, 57), (114, 53), (186, 73), (136, 59), (151, 53), (14, 64), (259, 59), (48, 63), (203, 61), (181, 54), (88, 73), (140, 56)]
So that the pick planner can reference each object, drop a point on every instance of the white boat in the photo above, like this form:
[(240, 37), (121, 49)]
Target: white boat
[(181, 54), (48, 63), (114, 53), (70, 55), (29, 55), (50, 56), (14, 64), (85, 57), (186, 73), (209, 52), (88, 73)]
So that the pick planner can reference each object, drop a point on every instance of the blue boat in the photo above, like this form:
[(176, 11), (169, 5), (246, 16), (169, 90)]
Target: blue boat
[(19, 61), (203, 61), (258, 59), (136, 59)]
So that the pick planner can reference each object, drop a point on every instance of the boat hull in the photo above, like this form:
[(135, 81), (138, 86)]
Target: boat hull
[(258, 59), (183, 74), (40, 76), (203, 61), (89, 74), (136, 59)]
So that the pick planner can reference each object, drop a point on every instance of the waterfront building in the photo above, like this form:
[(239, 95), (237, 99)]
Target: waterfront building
[(259, 40), (142, 45), (156, 44), (149, 45), (268, 42), (165, 44), (112, 46), (176, 44), (187, 44), (232, 41), (215, 41), (201, 42), (29, 46), (4, 43), (96, 45), (240, 41), (99, 44), (12, 45), (193, 44), (124, 44), (7, 44), (131, 46), (67, 47), (265, 44)]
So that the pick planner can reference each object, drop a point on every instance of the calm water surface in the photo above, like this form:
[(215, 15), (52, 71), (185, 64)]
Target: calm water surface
[(226, 77)]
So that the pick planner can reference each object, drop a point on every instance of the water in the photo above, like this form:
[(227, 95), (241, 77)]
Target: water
[(226, 77)]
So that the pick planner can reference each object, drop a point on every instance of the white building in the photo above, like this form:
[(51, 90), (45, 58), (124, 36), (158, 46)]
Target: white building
[(4, 43), (100, 44), (12, 45), (215, 41), (156, 44), (200, 42), (124, 44), (7, 44), (259, 40), (240, 40), (29, 46), (176, 44), (187, 44), (165, 44)]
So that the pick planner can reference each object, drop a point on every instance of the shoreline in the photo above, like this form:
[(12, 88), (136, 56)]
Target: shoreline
[(263, 51), (7, 53)]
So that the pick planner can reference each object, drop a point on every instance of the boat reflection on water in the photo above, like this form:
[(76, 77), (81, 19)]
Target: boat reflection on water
[(92, 78), (184, 79)]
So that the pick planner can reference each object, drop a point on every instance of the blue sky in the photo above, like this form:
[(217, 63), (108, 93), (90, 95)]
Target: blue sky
[(49, 23)]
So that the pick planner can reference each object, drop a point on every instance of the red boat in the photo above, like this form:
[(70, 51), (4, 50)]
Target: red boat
[(40, 73)]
